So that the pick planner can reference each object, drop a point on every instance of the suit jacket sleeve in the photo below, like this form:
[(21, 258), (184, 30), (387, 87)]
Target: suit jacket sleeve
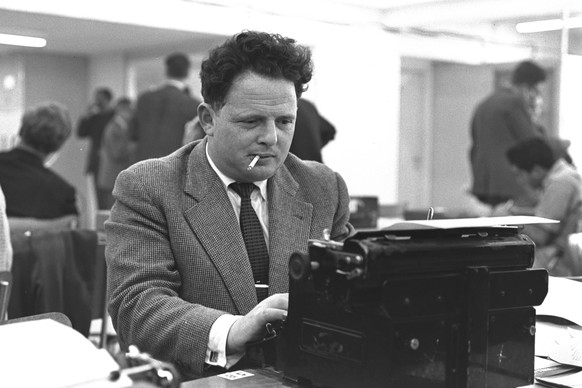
[(519, 121), (144, 281), (341, 227), (85, 126)]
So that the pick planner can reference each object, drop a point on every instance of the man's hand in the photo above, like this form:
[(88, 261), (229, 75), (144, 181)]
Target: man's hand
[(503, 209), (252, 326)]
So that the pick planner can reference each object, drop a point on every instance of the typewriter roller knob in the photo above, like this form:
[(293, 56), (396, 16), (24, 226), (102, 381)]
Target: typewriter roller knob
[(299, 266)]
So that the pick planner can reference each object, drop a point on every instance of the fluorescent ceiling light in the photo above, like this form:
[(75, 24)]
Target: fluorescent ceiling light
[(21, 40), (548, 25)]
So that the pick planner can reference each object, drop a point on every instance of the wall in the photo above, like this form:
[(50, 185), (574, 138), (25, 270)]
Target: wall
[(107, 70), (11, 98), (570, 117), (358, 90), (457, 90)]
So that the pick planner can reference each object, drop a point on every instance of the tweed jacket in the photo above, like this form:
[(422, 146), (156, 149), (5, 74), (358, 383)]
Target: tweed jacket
[(175, 255)]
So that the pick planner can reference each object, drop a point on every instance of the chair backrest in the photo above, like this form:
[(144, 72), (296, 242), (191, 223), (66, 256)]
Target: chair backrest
[(54, 271), (26, 224), (55, 316), (5, 289), (92, 205)]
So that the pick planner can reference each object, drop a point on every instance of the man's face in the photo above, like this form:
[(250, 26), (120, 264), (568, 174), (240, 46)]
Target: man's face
[(532, 95), (533, 179), (101, 100), (258, 118)]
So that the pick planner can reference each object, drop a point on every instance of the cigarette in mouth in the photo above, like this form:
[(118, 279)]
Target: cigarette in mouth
[(253, 162)]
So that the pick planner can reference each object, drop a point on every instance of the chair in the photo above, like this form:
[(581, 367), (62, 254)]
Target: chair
[(55, 271), (55, 316), (364, 211), (92, 217), (5, 288), (99, 300)]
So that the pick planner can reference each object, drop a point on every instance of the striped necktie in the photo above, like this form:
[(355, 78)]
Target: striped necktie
[(254, 239)]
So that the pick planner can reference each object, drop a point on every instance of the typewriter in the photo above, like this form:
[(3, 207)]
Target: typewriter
[(413, 308)]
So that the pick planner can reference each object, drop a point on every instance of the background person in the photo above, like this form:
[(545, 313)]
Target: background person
[(91, 125), (501, 120), (312, 132), (117, 149), (32, 189), (161, 114), (180, 278), (560, 198)]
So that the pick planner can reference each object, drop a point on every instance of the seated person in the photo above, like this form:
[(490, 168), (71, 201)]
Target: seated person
[(31, 189), (185, 283), (560, 198)]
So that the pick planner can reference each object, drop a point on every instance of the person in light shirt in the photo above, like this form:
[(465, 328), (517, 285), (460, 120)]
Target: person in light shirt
[(560, 198)]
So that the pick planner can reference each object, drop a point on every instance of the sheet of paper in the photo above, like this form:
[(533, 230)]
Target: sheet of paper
[(566, 380), (544, 367), (469, 222), (568, 351), (45, 353), (562, 293)]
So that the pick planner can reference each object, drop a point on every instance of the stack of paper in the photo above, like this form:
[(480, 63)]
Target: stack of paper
[(559, 342), (45, 353)]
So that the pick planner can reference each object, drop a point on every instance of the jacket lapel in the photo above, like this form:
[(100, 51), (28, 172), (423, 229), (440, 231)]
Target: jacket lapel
[(214, 223), (289, 227)]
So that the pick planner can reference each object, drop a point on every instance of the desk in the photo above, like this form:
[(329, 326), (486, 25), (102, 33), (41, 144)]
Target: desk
[(261, 378)]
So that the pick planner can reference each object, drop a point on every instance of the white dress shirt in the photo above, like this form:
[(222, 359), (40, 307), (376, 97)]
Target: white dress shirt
[(216, 351)]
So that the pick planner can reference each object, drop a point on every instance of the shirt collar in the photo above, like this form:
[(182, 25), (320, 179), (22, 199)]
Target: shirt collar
[(177, 83), (262, 185)]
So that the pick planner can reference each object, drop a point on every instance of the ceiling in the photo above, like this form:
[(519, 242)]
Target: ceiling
[(134, 26)]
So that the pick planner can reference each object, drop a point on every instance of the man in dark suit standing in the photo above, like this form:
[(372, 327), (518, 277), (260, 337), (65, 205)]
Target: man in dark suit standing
[(91, 126), (500, 121), (161, 114)]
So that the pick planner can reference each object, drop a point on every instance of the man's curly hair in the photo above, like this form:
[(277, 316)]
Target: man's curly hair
[(270, 55)]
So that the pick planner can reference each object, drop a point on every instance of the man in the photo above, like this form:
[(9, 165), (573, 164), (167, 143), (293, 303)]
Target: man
[(117, 151), (33, 190), (91, 125), (560, 199), (181, 282), (500, 121), (162, 113), (312, 132)]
